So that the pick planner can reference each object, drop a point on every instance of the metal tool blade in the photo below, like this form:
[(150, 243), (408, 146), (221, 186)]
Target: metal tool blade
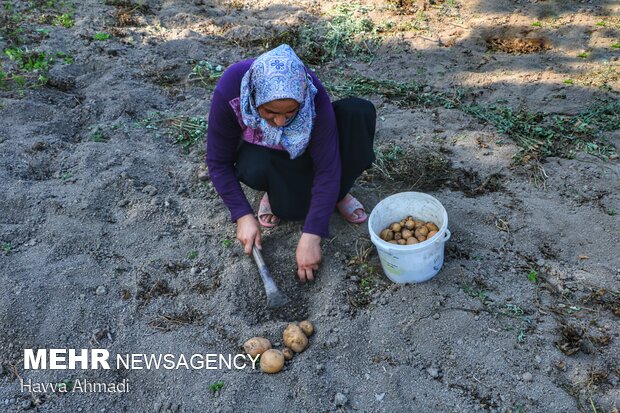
[(275, 298)]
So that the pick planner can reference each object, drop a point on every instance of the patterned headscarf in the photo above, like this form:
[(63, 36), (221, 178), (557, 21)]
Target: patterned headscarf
[(279, 74)]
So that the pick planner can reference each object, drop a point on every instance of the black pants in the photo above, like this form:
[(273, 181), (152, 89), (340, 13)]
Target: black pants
[(288, 182)]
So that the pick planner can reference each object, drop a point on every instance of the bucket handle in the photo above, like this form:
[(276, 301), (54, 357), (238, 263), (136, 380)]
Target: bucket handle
[(446, 237)]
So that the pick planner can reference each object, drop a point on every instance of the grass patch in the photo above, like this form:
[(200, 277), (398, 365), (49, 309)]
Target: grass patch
[(368, 276), (404, 94), (187, 131), (601, 76), (346, 31), (538, 135), (425, 169), (32, 67), (28, 60)]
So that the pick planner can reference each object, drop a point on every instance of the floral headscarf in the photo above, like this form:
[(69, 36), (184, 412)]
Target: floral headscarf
[(279, 74)]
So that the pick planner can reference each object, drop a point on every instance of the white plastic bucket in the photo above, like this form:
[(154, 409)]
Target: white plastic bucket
[(410, 263)]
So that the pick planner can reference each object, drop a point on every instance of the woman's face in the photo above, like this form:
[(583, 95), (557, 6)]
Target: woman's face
[(278, 112)]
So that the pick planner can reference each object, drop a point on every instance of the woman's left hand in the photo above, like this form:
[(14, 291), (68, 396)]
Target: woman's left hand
[(308, 256)]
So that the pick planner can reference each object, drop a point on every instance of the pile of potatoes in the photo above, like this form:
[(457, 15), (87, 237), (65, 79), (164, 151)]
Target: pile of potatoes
[(409, 231), (295, 338)]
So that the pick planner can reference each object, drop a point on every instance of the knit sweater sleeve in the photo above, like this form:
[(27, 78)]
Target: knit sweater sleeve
[(223, 138), (324, 150)]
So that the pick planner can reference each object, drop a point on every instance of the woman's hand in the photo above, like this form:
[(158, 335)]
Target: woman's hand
[(248, 232), (308, 256)]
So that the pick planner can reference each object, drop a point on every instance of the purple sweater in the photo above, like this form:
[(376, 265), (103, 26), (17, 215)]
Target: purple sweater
[(223, 138)]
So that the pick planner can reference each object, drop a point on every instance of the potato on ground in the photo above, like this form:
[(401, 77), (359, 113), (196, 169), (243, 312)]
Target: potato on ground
[(256, 346), (271, 361), (307, 327), (294, 338), (288, 353)]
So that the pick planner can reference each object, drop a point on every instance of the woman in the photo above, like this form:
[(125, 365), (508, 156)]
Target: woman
[(273, 127)]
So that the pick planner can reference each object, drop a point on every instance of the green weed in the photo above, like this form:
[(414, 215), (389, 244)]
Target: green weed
[(67, 175), (217, 386), (615, 46), (187, 131), (227, 243), (601, 23), (611, 212), (206, 73), (532, 276), (29, 61), (347, 31), (537, 24), (66, 385), (101, 36), (539, 135), (65, 20), (404, 94), (569, 82), (98, 135), (583, 55), (192, 255), (6, 248), (475, 292), (350, 31)]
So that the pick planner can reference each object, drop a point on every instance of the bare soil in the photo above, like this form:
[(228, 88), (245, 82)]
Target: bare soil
[(110, 239)]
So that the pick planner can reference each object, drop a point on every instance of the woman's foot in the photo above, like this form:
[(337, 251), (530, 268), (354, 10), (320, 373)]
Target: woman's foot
[(265, 216), (351, 209)]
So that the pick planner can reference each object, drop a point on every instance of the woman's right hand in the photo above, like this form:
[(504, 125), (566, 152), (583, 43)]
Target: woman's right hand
[(248, 232)]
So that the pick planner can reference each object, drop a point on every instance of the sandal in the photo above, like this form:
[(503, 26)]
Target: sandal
[(347, 208), (264, 208)]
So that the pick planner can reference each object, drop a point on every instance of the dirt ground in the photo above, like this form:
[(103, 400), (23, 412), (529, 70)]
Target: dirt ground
[(112, 237)]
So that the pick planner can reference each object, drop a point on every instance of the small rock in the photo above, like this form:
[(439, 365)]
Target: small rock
[(26, 404), (527, 377), (150, 189), (538, 359), (340, 400), (319, 367), (436, 316), (367, 376), (379, 397), (39, 146), (203, 175), (82, 296), (122, 202), (193, 270), (101, 290), (355, 278), (433, 372)]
